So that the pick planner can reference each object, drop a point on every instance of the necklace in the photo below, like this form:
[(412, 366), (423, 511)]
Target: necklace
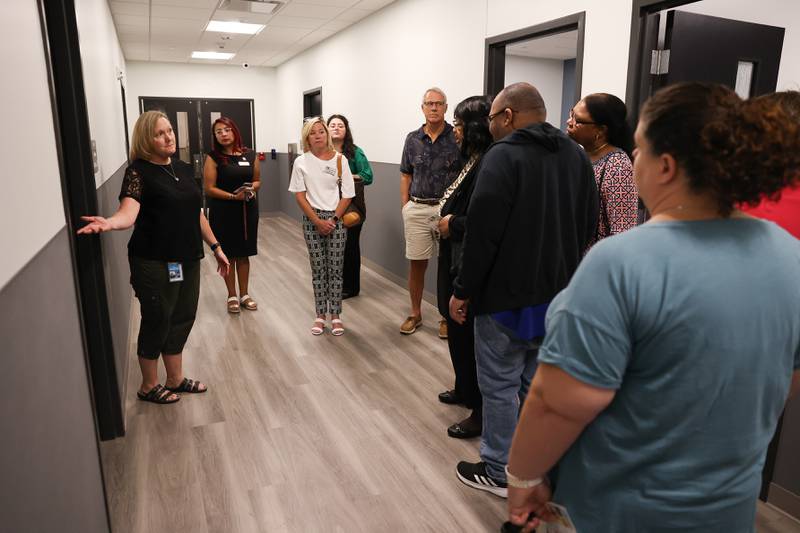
[(592, 152), (171, 171)]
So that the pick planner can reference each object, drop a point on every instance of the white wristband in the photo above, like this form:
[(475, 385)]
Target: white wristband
[(514, 481)]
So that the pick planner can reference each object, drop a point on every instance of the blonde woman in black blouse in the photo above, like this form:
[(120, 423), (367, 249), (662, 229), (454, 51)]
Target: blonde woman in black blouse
[(160, 196)]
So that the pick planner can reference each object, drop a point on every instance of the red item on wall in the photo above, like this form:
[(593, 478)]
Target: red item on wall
[(261, 156)]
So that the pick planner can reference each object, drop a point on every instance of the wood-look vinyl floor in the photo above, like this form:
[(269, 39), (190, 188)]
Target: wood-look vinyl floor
[(300, 433)]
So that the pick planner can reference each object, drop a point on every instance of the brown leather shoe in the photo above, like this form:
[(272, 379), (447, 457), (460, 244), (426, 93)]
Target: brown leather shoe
[(443, 329), (410, 325)]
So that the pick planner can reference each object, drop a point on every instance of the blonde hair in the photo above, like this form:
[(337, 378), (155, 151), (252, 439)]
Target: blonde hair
[(307, 125), (143, 134)]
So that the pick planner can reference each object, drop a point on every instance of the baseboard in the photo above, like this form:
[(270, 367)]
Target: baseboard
[(372, 265), (783, 500), (391, 276)]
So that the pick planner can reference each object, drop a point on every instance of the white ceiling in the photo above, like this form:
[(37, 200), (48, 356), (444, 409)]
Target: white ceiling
[(169, 30), (558, 46)]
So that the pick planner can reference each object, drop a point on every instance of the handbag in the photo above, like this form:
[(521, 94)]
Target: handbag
[(353, 216)]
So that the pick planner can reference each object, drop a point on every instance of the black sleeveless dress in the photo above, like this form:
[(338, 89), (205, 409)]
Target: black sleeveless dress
[(234, 222)]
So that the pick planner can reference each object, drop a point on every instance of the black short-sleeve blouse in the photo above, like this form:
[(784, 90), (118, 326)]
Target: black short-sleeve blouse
[(168, 225)]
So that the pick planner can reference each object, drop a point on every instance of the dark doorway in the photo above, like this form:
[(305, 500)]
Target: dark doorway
[(312, 103), (74, 144), (192, 118), (125, 119), (495, 61), (674, 46)]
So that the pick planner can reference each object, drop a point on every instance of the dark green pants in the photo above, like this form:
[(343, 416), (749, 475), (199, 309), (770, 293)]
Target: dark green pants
[(168, 309)]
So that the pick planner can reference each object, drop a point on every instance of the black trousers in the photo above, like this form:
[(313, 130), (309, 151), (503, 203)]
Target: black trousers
[(168, 308), (461, 341), (351, 275)]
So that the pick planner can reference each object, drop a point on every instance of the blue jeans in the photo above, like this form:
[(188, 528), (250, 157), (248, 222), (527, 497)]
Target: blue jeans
[(506, 365)]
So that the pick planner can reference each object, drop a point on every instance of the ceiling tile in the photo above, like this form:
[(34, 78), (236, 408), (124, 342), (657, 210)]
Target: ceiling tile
[(315, 37), (184, 13), (336, 25), (186, 3), (241, 16), (276, 35), (125, 39), (354, 14), (132, 20), (176, 26), (129, 8), (373, 4), (133, 31), (335, 3), (296, 22), (296, 9)]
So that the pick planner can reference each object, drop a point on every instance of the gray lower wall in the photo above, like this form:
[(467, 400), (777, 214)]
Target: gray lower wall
[(117, 273), (50, 476), (382, 239)]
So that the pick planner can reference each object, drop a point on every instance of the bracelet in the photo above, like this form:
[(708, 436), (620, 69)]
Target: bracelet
[(232, 196), (514, 481), (214, 247)]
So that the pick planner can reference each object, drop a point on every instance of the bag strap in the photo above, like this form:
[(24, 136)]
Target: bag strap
[(339, 173)]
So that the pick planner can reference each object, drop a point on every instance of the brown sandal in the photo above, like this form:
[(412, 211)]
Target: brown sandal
[(233, 305), (248, 303)]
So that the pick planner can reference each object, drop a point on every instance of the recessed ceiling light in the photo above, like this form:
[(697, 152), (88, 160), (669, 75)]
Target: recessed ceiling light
[(211, 55), (234, 27)]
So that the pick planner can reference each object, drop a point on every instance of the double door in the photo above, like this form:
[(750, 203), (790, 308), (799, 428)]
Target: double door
[(192, 119)]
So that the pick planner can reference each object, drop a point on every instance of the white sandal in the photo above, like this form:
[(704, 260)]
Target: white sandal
[(337, 328), (318, 329), (233, 305)]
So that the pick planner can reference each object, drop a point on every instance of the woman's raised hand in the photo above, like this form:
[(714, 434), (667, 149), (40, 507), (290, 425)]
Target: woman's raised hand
[(95, 225)]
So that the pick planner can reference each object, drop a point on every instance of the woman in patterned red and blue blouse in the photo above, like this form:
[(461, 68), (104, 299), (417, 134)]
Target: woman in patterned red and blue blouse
[(599, 123)]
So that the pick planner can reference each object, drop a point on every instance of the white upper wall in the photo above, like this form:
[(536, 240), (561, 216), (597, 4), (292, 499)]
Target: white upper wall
[(31, 207), (376, 71), (102, 62), (606, 38), (547, 75), (210, 81), (781, 13)]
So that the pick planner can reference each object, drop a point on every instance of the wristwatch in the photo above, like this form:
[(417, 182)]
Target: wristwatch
[(214, 247)]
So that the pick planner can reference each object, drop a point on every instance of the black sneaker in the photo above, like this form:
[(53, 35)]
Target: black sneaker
[(474, 475)]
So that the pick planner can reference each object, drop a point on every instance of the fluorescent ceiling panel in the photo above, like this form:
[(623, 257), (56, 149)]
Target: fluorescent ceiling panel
[(211, 55), (234, 27)]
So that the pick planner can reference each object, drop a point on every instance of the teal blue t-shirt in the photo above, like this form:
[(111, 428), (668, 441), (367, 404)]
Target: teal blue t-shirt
[(696, 325)]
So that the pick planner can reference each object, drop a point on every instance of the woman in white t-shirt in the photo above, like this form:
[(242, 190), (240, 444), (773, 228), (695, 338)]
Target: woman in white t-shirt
[(323, 187)]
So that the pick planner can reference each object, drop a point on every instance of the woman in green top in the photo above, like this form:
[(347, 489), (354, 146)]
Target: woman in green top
[(362, 175)]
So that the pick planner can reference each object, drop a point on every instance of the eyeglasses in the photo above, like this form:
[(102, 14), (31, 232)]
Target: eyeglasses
[(491, 117), (313, 119), (223, 130), (577, 121), (434, 104)]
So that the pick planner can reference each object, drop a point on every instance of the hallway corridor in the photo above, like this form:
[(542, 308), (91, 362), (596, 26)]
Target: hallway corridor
[(298, 433)]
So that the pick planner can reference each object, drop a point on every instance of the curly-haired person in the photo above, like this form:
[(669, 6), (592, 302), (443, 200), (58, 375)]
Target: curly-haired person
[(669, 357)]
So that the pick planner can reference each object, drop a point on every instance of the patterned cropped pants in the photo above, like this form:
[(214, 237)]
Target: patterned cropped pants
[(326, 255)]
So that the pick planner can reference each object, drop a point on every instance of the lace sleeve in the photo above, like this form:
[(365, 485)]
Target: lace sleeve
[(131, 185)]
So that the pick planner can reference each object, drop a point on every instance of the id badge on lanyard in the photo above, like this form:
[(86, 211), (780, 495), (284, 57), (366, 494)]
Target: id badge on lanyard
[(175, 272)]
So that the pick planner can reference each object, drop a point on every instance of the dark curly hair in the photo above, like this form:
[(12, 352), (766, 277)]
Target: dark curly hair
[(739, 151), (473, 113), (609, 111), (348, 148)]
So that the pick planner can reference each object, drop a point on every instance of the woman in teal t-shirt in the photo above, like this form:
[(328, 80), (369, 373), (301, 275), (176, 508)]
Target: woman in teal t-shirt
[(669, 357), (342, 139)]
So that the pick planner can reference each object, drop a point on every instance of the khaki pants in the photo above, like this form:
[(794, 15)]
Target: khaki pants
[(419, 223)]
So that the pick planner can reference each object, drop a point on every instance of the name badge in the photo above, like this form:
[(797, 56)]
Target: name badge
[(175, 272), (244, 163)]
